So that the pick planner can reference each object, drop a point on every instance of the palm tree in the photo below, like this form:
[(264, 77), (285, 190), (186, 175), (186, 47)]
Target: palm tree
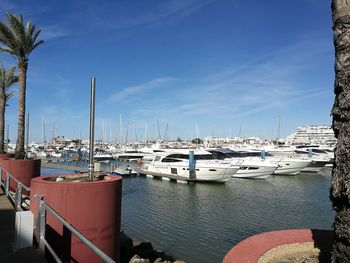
[(19, 40), (7, 79), (340, 184)]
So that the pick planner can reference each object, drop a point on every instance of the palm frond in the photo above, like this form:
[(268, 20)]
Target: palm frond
[(19, 39), (9, 96), (7, 78)]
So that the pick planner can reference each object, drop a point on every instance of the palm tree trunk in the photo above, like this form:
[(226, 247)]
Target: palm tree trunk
[(22, 79), (2, 121), (340, 184)]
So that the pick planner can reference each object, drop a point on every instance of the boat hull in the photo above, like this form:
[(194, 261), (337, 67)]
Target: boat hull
[(202, 173), (291, 166), (255, 172)]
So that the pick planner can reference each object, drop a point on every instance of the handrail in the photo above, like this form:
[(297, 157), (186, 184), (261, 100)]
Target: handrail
[(17, 200), (43, 207)]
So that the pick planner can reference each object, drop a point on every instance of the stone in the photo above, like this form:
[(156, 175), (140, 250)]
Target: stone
[(137, 259)]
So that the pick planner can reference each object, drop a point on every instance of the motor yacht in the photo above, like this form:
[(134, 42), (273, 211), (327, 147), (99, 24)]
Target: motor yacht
[(250, 167), (175, 164)]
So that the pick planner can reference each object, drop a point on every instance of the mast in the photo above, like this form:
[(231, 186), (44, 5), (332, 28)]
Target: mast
[(120, 128), (145, 139), (166, 131), (159, 135), (279, 127), (43, 138)]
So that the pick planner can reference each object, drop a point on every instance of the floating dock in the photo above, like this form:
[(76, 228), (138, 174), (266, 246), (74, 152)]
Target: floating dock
[(168, 177)]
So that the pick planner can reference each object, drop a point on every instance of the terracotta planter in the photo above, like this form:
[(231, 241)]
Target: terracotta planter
[(23, 170), (93, 208), (277, 246), (7, 155)]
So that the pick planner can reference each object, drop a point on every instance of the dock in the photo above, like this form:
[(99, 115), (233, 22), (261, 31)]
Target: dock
[(7, 230), (78, 169), (168, 177)]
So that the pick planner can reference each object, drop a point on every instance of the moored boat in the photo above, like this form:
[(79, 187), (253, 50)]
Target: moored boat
[(176, 165)]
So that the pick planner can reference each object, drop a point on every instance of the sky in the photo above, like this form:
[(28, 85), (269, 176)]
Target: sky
[(195, 67)]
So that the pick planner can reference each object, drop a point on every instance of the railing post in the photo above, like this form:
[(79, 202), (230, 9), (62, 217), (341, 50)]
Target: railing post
[(7, 183), (18, 198), (42, 223)]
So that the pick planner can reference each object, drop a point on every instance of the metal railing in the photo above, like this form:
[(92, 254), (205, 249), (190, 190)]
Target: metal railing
[(40, 232), (17, 198)]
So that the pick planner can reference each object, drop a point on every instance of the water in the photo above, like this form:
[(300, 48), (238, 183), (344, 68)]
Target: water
[(201, 222)]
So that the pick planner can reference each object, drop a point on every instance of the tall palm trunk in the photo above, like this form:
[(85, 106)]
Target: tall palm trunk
[(2, 123), (340, 184), (22, 77)]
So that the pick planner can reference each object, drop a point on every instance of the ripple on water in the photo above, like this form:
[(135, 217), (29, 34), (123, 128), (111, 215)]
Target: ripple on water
[(201, 222)]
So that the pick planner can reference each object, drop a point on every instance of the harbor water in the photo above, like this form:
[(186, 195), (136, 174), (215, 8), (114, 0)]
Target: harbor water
[(201, 222)]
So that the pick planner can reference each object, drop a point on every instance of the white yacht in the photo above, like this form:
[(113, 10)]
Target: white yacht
[(286, 165), (130, 155), (250, 167), (175, 165), (289, 166)]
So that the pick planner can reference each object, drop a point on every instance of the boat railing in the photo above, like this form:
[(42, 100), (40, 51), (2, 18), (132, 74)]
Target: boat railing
[(16, 198), (40, 232)]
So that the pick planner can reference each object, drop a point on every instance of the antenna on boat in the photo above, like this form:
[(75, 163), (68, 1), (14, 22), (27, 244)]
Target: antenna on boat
[(92, 130)]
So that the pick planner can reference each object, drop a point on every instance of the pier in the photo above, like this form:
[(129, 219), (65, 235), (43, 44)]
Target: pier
[(7, 230)]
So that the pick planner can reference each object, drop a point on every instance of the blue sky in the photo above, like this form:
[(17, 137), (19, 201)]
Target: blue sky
[(225, 65)]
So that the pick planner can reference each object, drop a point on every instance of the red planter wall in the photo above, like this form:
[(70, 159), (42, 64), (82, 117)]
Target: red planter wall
[(93, 208), (23, 170)]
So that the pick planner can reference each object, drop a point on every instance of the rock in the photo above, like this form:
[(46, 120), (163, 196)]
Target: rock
[(137, 259), (179, 261), (143, 252), (126, 248)]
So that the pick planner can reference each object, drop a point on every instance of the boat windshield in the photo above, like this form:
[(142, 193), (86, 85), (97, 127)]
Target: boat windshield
[(186, 156)]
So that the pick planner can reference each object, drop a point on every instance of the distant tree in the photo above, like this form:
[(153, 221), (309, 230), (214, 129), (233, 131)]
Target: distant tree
[(19, 40), (197, 141), (340, 184), (179, 140), (7, 79)]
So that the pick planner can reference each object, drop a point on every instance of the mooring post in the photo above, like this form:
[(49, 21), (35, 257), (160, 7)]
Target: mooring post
[(92, 130), (310, 152), (192, 165)]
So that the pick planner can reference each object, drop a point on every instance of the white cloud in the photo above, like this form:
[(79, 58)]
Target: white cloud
[(140, 88), (273, 81)]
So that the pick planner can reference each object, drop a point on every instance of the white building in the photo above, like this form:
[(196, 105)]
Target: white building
[(312, 134)]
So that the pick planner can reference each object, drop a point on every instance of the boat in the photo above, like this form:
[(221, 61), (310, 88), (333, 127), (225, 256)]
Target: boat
[(102, 157), (286, 165), (250, 167), (175, 164), (289, 166), (124, 171), (130, 155), (319, 156)]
